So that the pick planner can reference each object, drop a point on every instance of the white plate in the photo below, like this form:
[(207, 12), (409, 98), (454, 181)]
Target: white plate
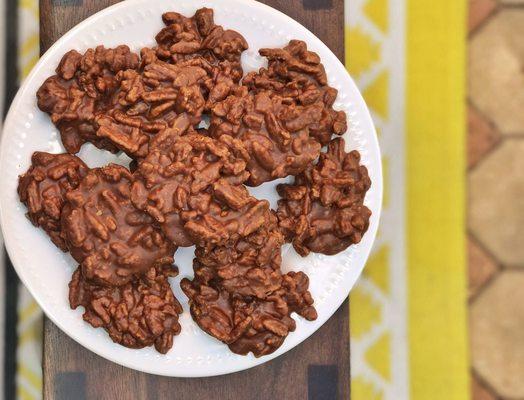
[(46, 271)]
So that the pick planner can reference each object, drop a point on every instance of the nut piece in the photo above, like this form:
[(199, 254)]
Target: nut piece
[(267, 332), (245, 323), (258, 120), (298, 76), (141, 313), (323, 210), (106, 234), (239, 295), (186, 38), (214, 219), (174, 182), (148, 101), (79, 92), (44, 186), (249, 267)]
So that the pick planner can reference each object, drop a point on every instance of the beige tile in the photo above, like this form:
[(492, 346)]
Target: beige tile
[(479, 10), (497, 339), (479, 391), (481, 267), (482, 136), (496, 202), (496, 73)]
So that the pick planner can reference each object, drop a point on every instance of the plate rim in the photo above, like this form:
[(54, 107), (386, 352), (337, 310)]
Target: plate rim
[(17, 262)]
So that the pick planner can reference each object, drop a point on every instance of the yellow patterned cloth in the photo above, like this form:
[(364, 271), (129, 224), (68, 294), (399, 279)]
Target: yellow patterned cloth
[(408, 311), (29, 328), (408, 316)]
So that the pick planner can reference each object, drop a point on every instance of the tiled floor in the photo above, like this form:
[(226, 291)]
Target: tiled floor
[(496, 198)]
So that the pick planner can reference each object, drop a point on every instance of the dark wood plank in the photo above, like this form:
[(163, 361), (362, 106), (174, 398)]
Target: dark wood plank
[(58, 16), (316, 369)]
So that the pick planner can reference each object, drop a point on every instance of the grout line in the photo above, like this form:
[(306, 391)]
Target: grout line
[(513, 135), (489, 120), (500, 138), (486, 155), (481, 244), (473, 296), (486, 385), (490, 16), (516, 268), (509, 6), (482, 288), (500, 266)]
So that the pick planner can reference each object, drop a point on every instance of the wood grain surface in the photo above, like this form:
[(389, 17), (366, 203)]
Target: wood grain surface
[(317, 369)]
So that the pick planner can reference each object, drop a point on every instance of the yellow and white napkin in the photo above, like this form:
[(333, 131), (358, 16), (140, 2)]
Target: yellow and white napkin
[(408, 311)]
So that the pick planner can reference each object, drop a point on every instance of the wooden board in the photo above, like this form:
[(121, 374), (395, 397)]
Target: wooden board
[(316, 369)]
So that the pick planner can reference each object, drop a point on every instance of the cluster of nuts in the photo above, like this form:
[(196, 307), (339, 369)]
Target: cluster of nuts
[(187, 184)]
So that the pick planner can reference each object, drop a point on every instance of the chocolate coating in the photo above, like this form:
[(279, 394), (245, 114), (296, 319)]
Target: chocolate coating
[(225, 215), (141, 313), (247, 324), (267, 332), (186, 38), (44, 186), (248, 267), (175, 182), (323, 211), (150, 100), (258, 121), (80, 90), (283, 113), (298, 76), (240, 296), (106, 234)]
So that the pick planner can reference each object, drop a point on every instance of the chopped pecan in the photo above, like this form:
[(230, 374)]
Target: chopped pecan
[(186, 38), (106, 234), (248, 324), (323, 211), (213, 221), (44, 186), (240, 296), (178, 175), (141, 313), (80, 91), (150, 100), (298, 76), (271, 321), (256, 120), (248, 267)]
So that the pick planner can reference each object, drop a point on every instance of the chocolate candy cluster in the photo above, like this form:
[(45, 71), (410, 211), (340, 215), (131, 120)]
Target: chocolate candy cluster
[(188, 183)]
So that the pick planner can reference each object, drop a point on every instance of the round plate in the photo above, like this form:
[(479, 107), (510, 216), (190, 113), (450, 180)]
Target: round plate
[(46, 271)]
